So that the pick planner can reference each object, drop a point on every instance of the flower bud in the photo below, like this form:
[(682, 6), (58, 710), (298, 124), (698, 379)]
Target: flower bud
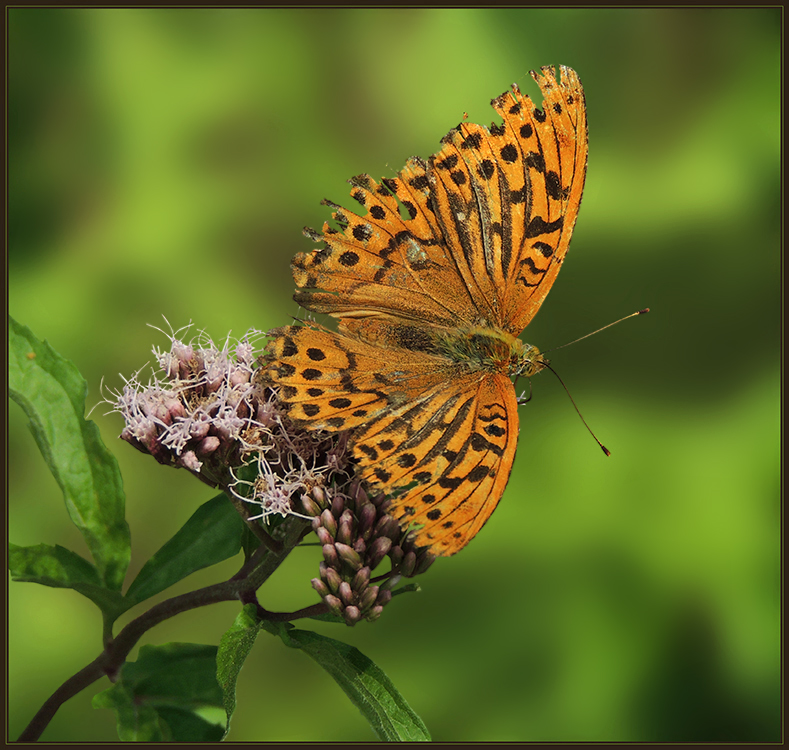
[(184, 368), (345, 593), (396, 555), (337, 505), (324, 537), (311, 508), (374, 613), (384, 597), (377, 551), (199, 428), (381, 502), (208, 445), (408, 564), (360, 546), (423, 562), (333, 580), (387, 526), (320, 587), (352, 615), (175, 408), (245, 352), (357, 493), (239, 377), (366, 520), (329, 523), (319, 496), (265, 414), (367, 599), (330, 555), (348, 555), (190, 461), (360, 580), (334, 604), (160, 412), (345, 527)]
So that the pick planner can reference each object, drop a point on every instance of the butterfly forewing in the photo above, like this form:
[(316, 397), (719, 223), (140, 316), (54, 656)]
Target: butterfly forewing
[(556, 154), (359, 266), (507, 196)]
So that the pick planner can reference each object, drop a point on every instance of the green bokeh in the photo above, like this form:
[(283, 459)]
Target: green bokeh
[(163, 162)]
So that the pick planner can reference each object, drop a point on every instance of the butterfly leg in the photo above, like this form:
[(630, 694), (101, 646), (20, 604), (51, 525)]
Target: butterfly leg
[(521, 399)]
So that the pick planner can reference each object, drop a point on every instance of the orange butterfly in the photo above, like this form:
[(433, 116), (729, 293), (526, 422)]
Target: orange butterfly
[(432, 286)]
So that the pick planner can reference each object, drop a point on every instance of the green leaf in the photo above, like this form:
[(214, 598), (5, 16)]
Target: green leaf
[(137, 722), (52, 393), (170, 694), (212, 534), (369, 689), (234, 648), (61, 568)]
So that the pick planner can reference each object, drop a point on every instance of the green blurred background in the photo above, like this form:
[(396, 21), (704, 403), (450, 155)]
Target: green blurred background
[(164, 162)]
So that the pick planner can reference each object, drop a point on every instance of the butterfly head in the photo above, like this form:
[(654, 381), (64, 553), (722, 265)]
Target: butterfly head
[(525, 360)]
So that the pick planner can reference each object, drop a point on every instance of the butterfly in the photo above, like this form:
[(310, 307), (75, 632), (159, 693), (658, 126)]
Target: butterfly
[(432, 286)]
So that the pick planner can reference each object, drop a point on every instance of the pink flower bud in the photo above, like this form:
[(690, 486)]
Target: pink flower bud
[(361, 580), (332, 579), (368, 598), (199, 429), (189, 461), (330, 555), (345, 593), (310, 508), (324, 537), (352, 615), (366, 521), (328, 522), (348, 556), (320, 587), (239, 377), (378, 550), (375, 613), (207, 445), (408, 564), (337, 506)]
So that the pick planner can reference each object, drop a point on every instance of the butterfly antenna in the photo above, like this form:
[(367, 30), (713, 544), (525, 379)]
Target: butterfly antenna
[(627, 317), (605, 450)]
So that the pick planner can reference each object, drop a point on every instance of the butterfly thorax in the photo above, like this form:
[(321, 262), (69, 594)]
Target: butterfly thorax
[(491, 349)]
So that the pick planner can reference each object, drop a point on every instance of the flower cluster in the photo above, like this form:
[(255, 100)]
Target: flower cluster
[(211, 411), (356, 534)]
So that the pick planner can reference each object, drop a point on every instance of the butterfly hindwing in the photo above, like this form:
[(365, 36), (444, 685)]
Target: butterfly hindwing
[(453, 464), (335, 382), (443, 446)]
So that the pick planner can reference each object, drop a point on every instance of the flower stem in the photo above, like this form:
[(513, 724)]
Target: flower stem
[(241, 586)]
